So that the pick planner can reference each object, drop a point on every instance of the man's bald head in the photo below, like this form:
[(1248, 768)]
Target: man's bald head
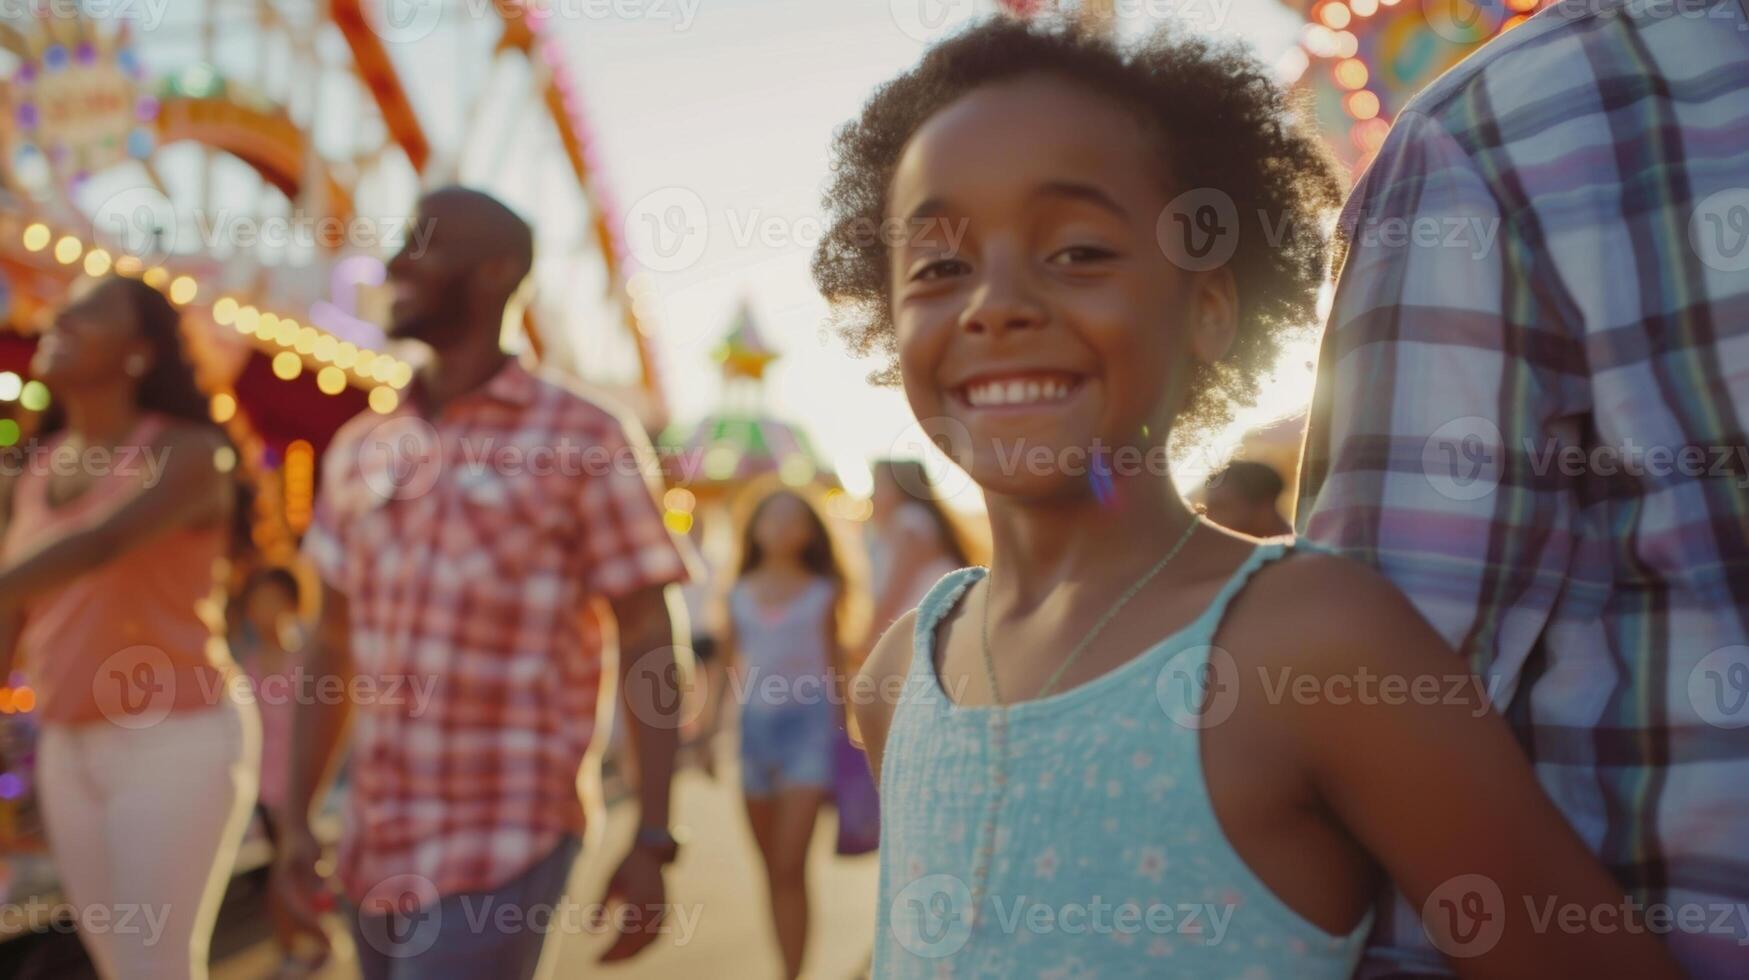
[(478, 228)]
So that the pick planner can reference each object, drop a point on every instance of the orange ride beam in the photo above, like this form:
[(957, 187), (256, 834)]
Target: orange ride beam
[(522, 33), (378, 74)]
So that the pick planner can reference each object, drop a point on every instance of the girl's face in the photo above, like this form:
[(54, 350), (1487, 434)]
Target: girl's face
[(783, 527), (1033, 303), (90, 341)]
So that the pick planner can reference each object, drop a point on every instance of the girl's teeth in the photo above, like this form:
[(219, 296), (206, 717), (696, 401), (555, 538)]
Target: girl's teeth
[(1016, 392)]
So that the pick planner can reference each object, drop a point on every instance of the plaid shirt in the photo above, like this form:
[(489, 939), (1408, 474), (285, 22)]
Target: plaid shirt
[(1530, 415), (469, 546)]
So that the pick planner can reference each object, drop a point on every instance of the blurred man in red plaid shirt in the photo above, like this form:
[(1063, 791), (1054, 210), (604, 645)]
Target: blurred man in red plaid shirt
[(466, 542)]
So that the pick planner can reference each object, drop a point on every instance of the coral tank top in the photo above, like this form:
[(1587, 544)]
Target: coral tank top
[(138, 637)]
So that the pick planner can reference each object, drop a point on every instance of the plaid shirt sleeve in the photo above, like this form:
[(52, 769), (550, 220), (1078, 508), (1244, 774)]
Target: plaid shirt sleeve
[(626, 545), (1437, 390), (1436, 386)]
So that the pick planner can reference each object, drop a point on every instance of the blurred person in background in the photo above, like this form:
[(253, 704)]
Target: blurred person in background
[(266, 634), (784, 649), (700, 596), (111, 572), (913, 541), (1243, 497), (468, 596)]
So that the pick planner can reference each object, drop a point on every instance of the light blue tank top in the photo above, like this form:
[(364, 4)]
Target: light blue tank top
[(1108, 860)]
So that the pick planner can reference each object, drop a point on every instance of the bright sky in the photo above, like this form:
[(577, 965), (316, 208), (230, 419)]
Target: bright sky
[(717, 131)]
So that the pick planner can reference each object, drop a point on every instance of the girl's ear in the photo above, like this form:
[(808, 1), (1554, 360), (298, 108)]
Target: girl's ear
[(1214, 311)]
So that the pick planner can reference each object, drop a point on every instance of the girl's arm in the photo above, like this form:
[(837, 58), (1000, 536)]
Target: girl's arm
[(838, 678), (728, 653), (189, 491), (1430, 781), (875, 689)]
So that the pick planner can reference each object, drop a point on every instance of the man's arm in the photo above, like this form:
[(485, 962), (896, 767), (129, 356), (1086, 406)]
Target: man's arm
[(651, 622), (317, 726), (317, 729)]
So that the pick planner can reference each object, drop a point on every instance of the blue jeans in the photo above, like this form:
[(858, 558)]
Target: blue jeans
[(463, 936)]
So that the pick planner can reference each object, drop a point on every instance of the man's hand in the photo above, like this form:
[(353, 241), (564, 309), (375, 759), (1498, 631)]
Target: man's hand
[(297, 896), (637, 884)]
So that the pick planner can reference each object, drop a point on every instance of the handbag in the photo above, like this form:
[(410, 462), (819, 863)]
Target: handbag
[(855, 798)]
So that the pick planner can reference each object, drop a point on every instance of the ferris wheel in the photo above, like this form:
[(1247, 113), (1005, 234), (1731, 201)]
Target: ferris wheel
[(273, 150)]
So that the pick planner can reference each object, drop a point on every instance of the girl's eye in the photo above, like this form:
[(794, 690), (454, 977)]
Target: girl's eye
[(938, 269), (1077, 254)]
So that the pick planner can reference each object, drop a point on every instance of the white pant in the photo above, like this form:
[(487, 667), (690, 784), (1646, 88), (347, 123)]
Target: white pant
[(144, 825)]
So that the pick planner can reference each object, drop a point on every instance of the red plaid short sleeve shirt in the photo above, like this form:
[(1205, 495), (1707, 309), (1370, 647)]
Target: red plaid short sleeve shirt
[(469, 546)]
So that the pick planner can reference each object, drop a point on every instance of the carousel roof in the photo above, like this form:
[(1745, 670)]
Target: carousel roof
[(730, 448)]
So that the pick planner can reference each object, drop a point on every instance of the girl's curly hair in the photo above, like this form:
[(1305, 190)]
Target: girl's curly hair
[(1221, 124)]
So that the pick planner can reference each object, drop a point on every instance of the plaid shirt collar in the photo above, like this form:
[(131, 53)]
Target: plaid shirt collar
[(511, 384)]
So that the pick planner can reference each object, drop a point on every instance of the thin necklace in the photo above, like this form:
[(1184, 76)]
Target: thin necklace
[(999, 718)]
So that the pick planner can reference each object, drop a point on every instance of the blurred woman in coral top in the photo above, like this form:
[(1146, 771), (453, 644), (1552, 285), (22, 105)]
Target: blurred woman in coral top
[(111, 571)]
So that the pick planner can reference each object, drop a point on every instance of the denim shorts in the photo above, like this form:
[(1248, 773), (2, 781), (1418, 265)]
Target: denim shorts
[(787, 746)]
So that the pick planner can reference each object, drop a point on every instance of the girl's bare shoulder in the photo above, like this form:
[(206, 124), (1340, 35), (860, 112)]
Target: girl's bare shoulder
[(1328, 615)]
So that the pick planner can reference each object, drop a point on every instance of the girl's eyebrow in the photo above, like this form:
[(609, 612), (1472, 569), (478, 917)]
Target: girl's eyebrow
[(1076, 191), (931, 207)]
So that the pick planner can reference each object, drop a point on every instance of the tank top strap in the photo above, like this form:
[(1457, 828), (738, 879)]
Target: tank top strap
[(1262, 555), (921, 684)]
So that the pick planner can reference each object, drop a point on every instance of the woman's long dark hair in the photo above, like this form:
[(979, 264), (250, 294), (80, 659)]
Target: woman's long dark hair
[(168, 387), (818, 557), (913, 481)]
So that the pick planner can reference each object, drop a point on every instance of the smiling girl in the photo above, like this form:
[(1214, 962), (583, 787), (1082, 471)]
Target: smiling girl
[(1119, 750)]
